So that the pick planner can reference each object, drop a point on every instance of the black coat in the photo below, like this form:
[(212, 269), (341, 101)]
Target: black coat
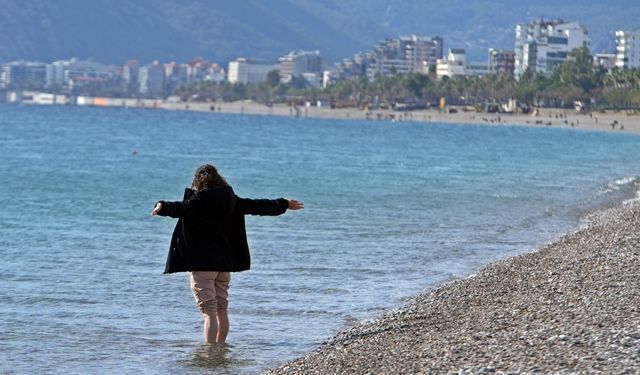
[(210, 234)]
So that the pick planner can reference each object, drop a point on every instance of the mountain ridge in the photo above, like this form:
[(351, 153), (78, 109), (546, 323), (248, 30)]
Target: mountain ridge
[(146, 30)]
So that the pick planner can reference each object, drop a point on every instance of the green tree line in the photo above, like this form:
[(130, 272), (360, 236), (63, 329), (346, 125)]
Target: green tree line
[(576, 79)]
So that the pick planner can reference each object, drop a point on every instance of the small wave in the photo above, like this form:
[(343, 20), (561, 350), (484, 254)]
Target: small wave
[(627, 186), (505, 196), (625, 180), (619, 183), (635, 199)]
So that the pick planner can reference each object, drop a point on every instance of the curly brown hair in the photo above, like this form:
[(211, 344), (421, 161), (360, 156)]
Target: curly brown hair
[(207, 177)]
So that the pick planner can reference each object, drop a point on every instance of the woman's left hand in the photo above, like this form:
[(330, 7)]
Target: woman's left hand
[(156, 209)]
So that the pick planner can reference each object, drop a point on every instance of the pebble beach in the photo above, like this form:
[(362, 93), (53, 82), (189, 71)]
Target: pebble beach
[(572, 306)]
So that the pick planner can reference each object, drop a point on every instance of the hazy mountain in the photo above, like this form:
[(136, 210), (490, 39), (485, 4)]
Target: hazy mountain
[(115, 30), (480, 24), (219, 30)]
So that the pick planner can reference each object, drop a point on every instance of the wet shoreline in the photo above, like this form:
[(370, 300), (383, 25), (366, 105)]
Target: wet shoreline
[(570, 306)]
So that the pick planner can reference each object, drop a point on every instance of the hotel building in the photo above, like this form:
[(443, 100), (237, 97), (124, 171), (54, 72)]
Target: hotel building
[(541, 46), (627, 49), (242, 70), (300, 63)]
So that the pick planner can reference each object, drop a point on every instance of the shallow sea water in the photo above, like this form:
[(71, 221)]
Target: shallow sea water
[(391, 209)]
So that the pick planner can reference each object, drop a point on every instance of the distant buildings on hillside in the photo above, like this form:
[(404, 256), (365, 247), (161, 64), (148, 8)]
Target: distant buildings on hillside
[(74, 76), (308, 65), (401, 55), (539, 46)]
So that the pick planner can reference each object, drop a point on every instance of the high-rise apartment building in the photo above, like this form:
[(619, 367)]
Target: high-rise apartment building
[(627, 49), (23, 74), (403, 55), (501, 61), (300, 63), (542, 45), (151, 80), (420, 49), (130, 71)]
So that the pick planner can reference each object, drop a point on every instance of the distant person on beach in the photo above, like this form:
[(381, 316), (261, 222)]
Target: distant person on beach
[(210, 241)]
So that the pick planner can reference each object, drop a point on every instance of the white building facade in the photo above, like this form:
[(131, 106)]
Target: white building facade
[(627, 49), (455, 64), (387, 67), (605, 60), (541, 46), (243, 71)]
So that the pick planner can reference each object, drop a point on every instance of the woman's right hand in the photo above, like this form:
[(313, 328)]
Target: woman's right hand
[(295, 205)]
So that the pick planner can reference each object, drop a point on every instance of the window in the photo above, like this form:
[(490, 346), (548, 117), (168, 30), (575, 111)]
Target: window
[(557, 40)]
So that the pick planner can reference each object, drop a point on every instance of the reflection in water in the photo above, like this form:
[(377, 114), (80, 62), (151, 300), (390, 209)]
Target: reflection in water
[(212, 356)]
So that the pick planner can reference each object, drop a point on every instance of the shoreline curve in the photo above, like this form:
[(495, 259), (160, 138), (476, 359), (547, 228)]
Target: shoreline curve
[(572, 306)]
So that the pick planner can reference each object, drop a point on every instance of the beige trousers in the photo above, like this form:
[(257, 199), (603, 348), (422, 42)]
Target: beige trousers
[(210, 290)]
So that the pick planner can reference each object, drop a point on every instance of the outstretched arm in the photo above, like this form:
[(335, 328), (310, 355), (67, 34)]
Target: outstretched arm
[(264, 207)]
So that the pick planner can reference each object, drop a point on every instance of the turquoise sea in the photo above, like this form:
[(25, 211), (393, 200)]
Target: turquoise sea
[(391, 209)]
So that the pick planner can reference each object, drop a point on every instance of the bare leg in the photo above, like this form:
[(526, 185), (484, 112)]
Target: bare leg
[(210, 328), (223, 325)]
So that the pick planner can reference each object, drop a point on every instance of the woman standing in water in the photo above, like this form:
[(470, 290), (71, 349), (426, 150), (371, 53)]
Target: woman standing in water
[(210, 241)]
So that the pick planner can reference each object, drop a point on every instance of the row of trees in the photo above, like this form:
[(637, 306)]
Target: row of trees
[(577, 79)]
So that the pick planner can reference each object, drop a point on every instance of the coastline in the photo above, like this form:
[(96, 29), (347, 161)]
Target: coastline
[(571, 306), (549, 117), (545, 117)]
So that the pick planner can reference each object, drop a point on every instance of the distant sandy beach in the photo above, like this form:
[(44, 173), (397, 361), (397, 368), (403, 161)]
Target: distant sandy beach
[(555, 118)]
